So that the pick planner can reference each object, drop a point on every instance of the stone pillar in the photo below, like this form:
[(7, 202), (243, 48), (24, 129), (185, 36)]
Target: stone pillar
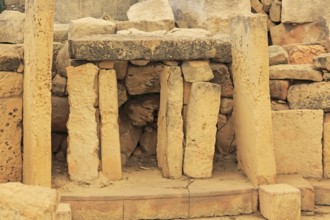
[(253, 125), (83, 142), (110, 141), (170, 123), (38, 49), (201, 121)]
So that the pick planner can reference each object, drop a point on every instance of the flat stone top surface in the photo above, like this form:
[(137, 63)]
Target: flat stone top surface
[(137, 47), (279, 189)]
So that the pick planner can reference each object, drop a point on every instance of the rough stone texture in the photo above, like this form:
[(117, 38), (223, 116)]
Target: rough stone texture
[(280, 201), (121, 69), (10, 140), (9, 58), (107, 64), (148, 26), (61, 32), (275, 11), (226, 136), (60, 113), (226, 106), (197, 71), (310, 96), (11, 84), (303, 54), (12, 27), (314, 32), (20, 201), (222, 77), (186, 92), (143, 80), (83, 160), (322, 61), (122, 94), (59, 85), (110, 141), (326, 149), (38, 51), (167, 47), (135, 33), (87, 26), (298, 142), (252, 99), (63, 60), (63, 212), (298, 72), (148, 141), (201, 129), (279, 89), (170, 123), (276, 106), (277, 55), (140, 62)]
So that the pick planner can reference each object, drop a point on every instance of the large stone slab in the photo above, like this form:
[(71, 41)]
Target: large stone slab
[(11, 84), (310, 96), (303, 54), (10, 140), (9, 58), (326, 150), (252, 111), (83, 160), (201, 120), (297, 72), (170, 123), (119, 47), (298, 142), (12, 27), (148, 26)]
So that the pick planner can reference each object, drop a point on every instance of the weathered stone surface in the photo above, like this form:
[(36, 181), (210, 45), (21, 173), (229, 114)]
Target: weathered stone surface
[(10, 140), (20, 201), (275, 11), (276, 106), (140, 62), (110, 141), (121, 69), (122, 94), (12, 27), (83, 160), (136, 32), (148, 141), (144, 25), (170, 123), (314, 32), (322, 61), (9, 58), (227, 106), (310, 96), (326, 76), (189, 32), (11, 84), (280, 201), (222, 120), (298, 72), (277, 55), (107, 47), (303, 54), (61, 32), (60, 113), (107, 64), (143, 80), (63, 60), (279, 89), (222, 77), (59, 85), (252, 99), (197, 71), (186, 92), (226, 136), (63, 212), (297, 142), (201, 129), (326, 149), (87, 26)]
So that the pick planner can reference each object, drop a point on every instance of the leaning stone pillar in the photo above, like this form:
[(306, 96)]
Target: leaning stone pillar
[(251, 97), (38, 51)]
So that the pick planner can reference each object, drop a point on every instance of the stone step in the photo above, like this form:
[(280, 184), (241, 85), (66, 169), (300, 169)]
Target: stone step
[(63, 212)]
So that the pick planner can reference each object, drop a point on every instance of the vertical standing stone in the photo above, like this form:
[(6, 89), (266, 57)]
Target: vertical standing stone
[(170, 123), (83, 160), (326, 150), (38, 49), (110, 141), (251, 98), (201, 121)]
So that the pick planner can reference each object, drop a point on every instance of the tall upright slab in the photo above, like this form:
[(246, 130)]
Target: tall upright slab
[(38, 49), (251, 97)]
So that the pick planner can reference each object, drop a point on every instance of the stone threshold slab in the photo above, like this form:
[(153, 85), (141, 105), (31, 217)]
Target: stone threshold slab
[(156, 48)]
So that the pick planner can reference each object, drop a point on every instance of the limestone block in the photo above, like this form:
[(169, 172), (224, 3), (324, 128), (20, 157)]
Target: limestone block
[(60, 113), (9, 58), (227, 106), (140, 62), (135, 33), (121, 69), (11, 84), (143, 80), (279, 89), (276, 106), (306, 33), (322, 61), (83, 160), (298, 72), (326, 117), (110, 138), (59, 85), (170, 123), (280, 202), (20, 201), (197, 71), (222, 78), (10, 140), (189, 32), (106, 64), (326, 76), (63, 212), (257, 7), (226, 136), (202, 117), (277, 55), (275, 11), (61, 32), (222, 120), (87, 26), (148, 141), (310, 96), (12, 27), (63, 60), (303, 54), (298, 142), (326, 149), (186, 92), (252, 99), (148, 26), (122, 94)]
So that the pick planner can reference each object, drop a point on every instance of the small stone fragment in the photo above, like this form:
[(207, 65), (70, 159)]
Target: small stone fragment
[(279, 89), (197, 71), (277, 55), (322, 61), (9, 58)]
